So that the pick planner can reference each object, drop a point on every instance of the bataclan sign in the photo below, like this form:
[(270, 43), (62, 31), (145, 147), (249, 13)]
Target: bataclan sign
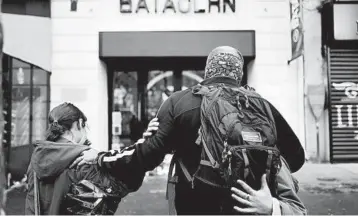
[(176, 6)]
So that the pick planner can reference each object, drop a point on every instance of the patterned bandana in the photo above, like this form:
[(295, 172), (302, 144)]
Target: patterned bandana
[(226, 64)]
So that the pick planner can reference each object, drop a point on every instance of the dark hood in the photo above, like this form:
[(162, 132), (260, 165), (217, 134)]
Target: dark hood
[(50, 159)]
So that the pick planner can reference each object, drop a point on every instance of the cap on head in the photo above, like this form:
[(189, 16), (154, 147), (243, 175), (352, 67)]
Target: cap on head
[(225, 61)]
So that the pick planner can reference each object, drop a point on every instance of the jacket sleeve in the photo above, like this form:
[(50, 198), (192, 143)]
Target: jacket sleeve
[(287, 142), (290, 203), (144, 157)]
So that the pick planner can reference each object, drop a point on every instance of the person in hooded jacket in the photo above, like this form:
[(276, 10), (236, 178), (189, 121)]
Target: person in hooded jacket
[(53, 159)]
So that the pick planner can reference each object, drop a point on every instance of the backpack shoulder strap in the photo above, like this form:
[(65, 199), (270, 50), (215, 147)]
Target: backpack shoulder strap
[(173, 180), (36, 194), (200, 90)]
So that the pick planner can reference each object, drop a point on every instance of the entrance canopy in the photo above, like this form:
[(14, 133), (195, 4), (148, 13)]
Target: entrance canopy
[(173, 44)]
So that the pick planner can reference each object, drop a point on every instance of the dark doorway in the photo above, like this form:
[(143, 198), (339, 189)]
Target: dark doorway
[(137, 88)]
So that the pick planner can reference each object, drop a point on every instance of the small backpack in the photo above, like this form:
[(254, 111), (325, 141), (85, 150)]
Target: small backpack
[(238, 139), (87, 198)]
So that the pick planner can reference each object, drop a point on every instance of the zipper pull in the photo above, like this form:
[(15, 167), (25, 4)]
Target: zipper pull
[(192, 184), (225, 152), (247, 101)]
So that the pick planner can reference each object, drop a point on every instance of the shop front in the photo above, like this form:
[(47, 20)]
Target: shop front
[(25, 109), (342, 52)]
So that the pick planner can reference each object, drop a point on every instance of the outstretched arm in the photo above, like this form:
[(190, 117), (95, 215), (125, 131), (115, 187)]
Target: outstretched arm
[(144, 156), (90, 156)]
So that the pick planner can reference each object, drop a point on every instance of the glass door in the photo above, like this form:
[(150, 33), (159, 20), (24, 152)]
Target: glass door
[(140, 86), (137, 97), (125, 109), (158, 89), (162, 84)]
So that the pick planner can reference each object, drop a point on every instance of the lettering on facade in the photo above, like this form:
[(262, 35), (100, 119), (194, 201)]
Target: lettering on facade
[(176, 6), (342, 123), (351, 91), (74, 5)]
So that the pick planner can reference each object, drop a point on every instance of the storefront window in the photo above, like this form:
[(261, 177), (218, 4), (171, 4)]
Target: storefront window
[(40, 103), (40, 77), (21, 76), (25, 95), (39, 112), (21, 93)]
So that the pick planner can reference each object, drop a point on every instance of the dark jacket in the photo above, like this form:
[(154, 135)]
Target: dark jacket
[(179, 119), (50, 161)]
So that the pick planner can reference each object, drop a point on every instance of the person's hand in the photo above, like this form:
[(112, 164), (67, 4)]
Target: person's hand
[(152, 127), (256, 202), (86, 157)]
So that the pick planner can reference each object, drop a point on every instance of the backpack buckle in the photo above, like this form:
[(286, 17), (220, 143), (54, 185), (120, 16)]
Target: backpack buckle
[(216, 165)]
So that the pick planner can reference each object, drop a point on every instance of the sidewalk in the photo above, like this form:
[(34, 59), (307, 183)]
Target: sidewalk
[(336, 177), (329, 189)]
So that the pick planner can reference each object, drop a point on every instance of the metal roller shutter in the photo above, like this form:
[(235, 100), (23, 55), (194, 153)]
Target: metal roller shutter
[(343, 73)]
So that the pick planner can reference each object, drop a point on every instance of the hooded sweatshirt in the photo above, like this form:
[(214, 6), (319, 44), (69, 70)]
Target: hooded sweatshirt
[(51, 161)]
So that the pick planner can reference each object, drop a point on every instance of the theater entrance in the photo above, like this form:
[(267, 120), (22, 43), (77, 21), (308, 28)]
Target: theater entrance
[(145, 68), (140, 86)]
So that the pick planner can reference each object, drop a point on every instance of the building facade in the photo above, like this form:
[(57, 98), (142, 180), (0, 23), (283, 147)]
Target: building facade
[(118, 60)]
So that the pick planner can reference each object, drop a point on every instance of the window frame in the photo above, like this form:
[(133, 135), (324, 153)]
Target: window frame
[(27, 7), (8, 67)]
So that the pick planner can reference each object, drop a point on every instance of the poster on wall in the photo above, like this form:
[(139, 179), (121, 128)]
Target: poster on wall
[(296, 29)]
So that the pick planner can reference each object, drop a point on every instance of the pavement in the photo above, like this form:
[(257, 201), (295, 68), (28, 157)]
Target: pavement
[(329, 189), (325, 189)]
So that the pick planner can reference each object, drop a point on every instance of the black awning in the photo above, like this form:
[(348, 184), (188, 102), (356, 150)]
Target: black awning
[(173, 43)]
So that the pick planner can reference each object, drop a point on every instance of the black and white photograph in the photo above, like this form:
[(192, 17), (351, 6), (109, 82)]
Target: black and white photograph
[(179, 107)]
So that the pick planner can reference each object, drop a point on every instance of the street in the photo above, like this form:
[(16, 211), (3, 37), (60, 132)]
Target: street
[(325, 189), (319, 200)]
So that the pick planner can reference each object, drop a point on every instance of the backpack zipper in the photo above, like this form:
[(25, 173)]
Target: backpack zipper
[(256, 147)]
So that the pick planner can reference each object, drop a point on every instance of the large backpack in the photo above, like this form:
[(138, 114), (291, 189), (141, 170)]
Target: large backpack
[(238, 139)]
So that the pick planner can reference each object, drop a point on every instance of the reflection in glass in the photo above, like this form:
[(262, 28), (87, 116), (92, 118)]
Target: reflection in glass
[(159, 88), (20, 115), (125, 122), (39, 112), (21, 90), (191, 78), (39, 76)]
